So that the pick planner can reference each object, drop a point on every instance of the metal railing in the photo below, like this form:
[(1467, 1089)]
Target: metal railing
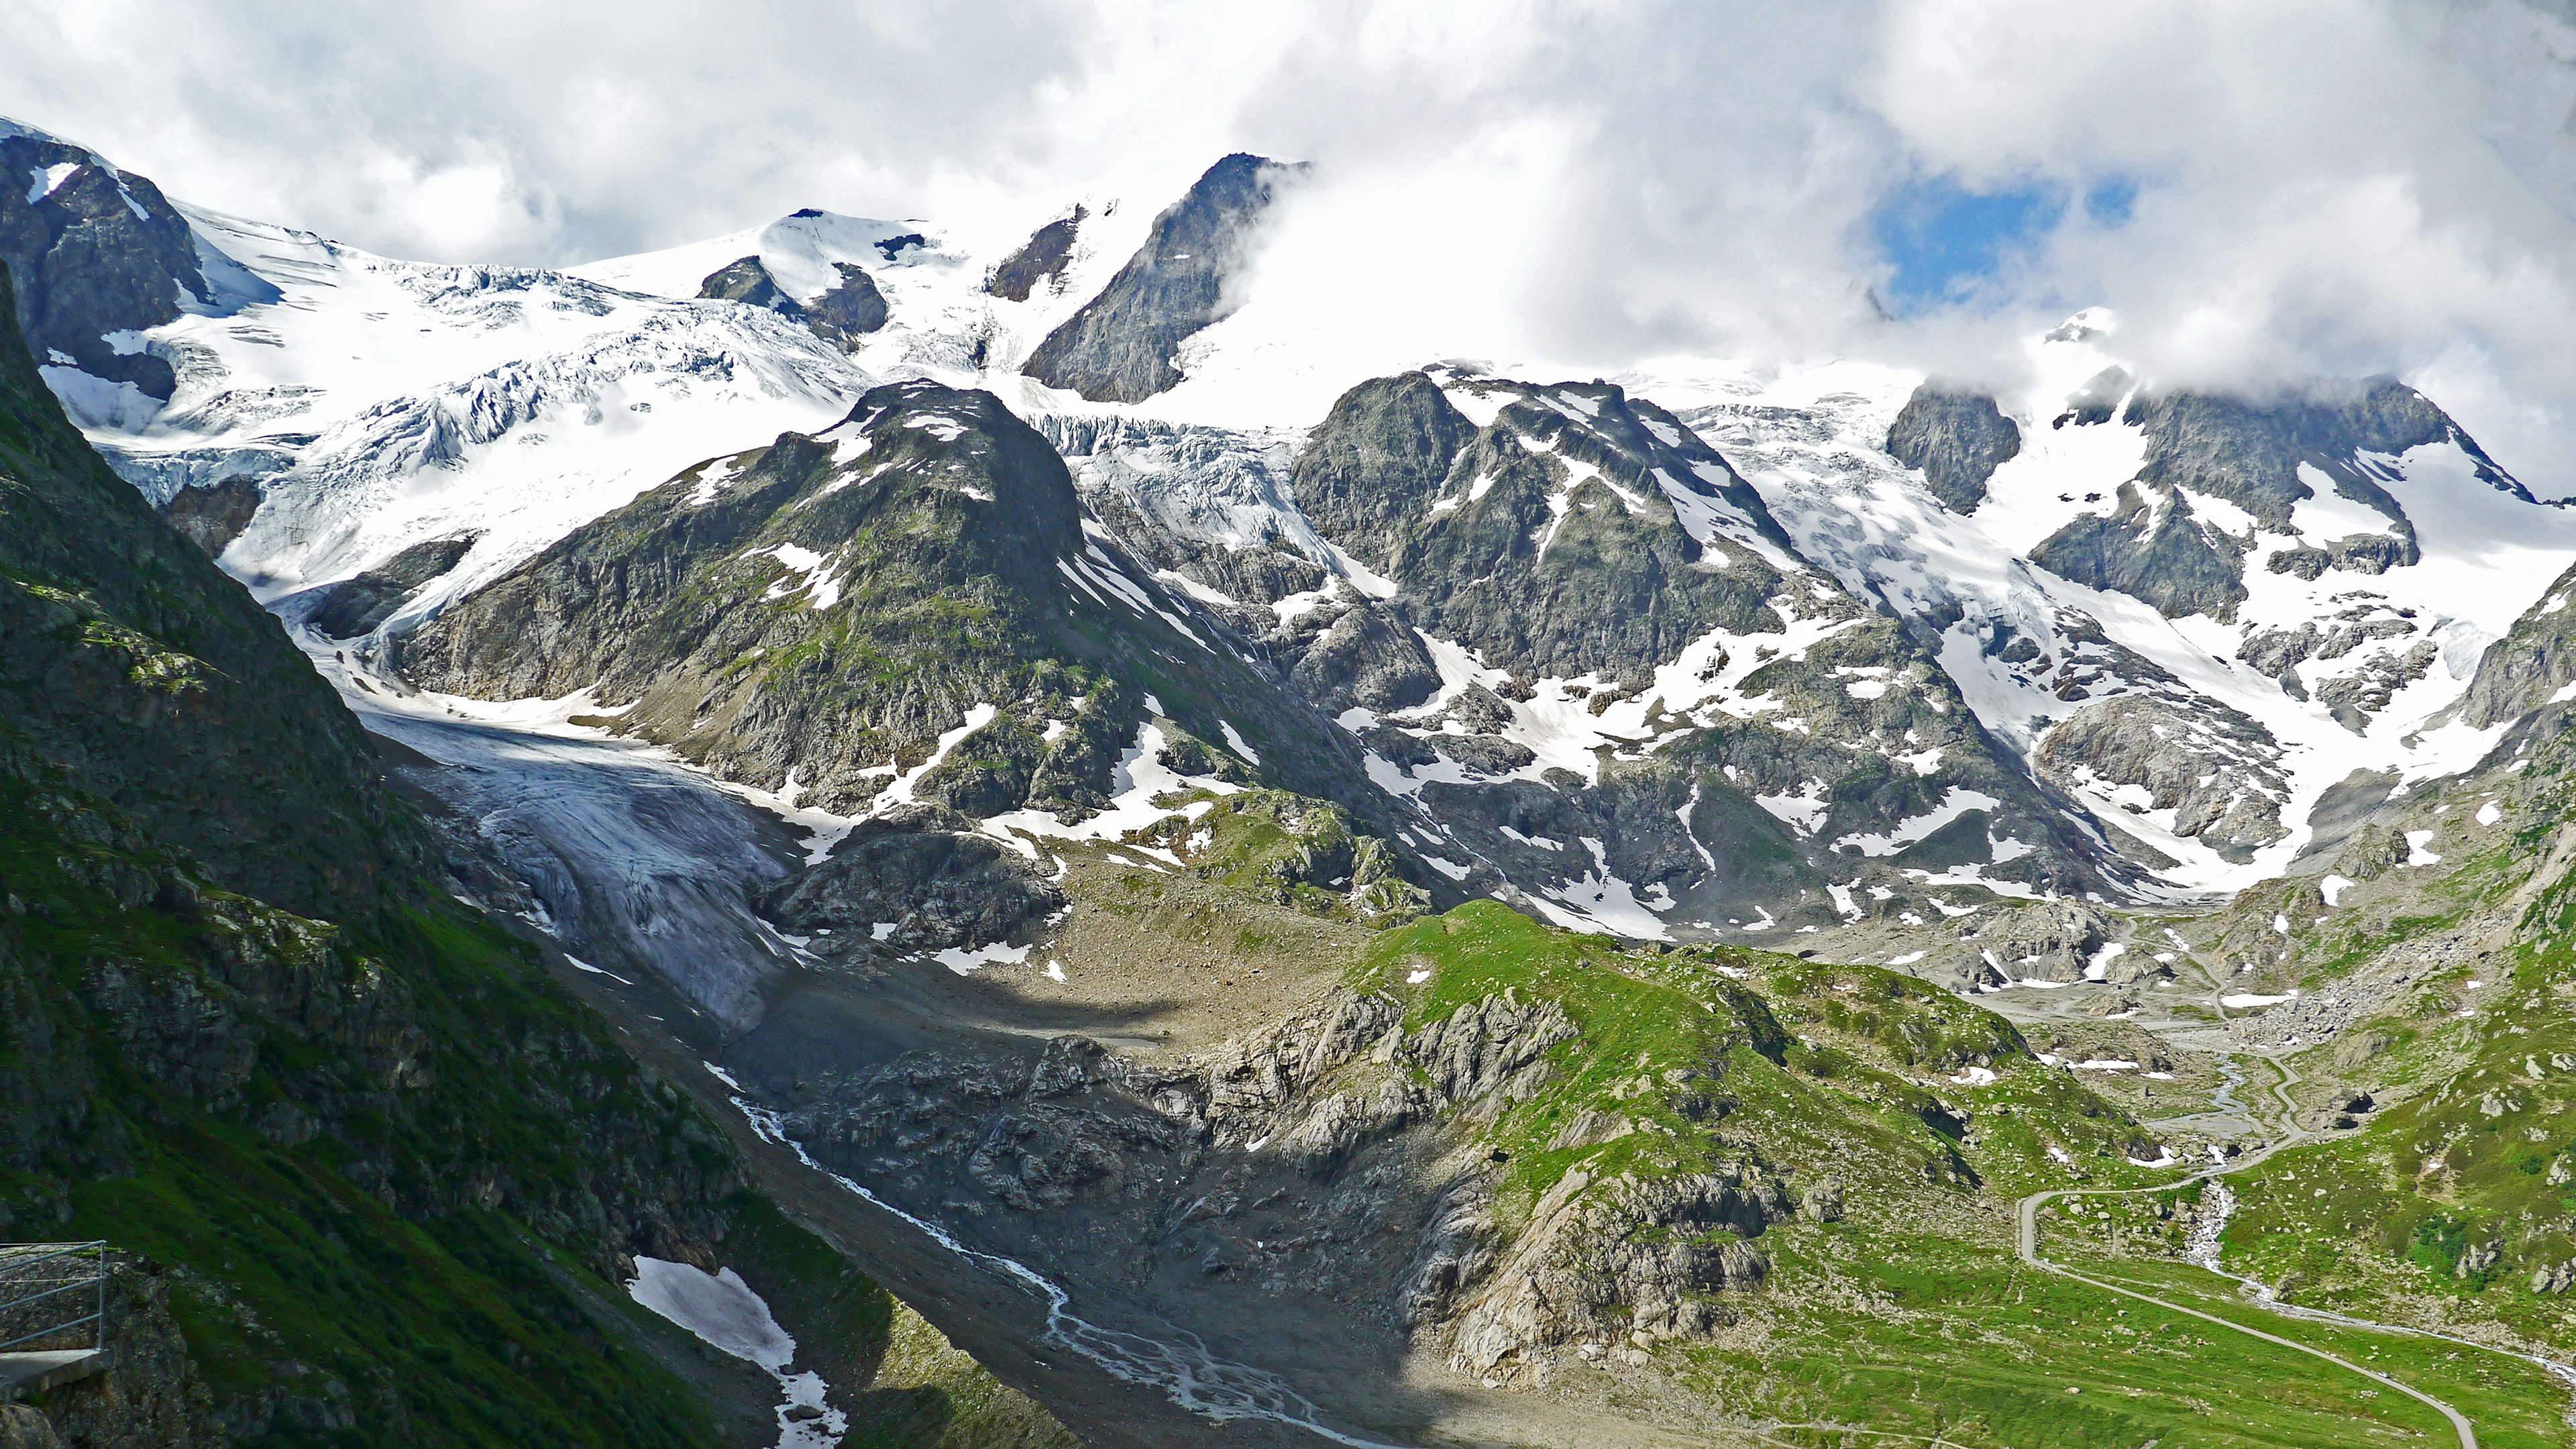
[(51, 1291)]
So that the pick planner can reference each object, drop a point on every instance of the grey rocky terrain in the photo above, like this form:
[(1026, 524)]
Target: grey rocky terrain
[(1119, 346), (1040, 261), (98, 255), (850, 309), (2251, 454), (1958, 437), (819, 616)]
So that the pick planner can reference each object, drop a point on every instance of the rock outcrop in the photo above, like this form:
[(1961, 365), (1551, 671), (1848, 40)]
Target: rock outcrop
[(359, 604), (2251, 454), (2152, 548), (2052, 943), (2530, 664), (923, 882), (848, 310), (213, 515), (2218, 771), (747, 280), (1120, 346), (1371, 1126), (96, 255), (830, 601), (1619, 1259), (1958, 438), (1039, 261)]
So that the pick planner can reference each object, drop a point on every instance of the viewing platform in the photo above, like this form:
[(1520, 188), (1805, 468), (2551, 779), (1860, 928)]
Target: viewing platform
[(53, 1311)]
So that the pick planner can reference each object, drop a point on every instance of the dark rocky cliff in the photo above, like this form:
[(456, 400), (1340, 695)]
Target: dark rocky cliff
[(1957, 438), (95, 251), (1120, 346), (129, 664), (2250, 453)]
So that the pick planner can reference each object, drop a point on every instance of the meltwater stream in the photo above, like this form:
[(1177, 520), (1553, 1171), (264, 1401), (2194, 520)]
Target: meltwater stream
[(656, 853), (2202, 1249), (1195, 1379)]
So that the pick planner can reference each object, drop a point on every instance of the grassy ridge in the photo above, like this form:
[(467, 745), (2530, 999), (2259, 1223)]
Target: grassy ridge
[(1912, 1316), (1835, 1069)]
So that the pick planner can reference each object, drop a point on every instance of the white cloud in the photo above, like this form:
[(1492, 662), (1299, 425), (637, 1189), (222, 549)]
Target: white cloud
[(2337, 188), (2319, 190)]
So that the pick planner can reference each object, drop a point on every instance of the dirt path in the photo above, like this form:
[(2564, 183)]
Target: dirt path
[(2290, 1134), (2029, 1250)]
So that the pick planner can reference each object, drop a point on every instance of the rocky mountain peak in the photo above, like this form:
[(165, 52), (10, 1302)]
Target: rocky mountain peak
[(747, 281), (1958, 437), (844, 312), (2209, 459), (1377, 460), (1119, 347), (98, 255), (1040, 260)]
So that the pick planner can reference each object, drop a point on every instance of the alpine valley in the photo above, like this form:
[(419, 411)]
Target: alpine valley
[(845, 836)]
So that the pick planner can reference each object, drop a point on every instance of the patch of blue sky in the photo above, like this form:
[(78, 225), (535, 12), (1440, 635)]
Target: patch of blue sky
[(1943, 240)]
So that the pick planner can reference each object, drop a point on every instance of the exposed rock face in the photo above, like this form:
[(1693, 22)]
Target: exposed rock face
[(1589, 536), (1619, 1257), (1585, 534), (1292, 851), (1492, 1048), (2097, 400), (1583, 531), (128, 662), (2037, 943), (1370, 1126), (22, 1427), (2153, 545), (849, 310), (703, 601), (1120, 346), (932, 882), (1041, 259), (2365, 691), (2534, 660), (2279, 652), (152, 1396), (2250, 452), (211, 517), (2151, 549), (1370, 472), (357, 605), (1365, 659), (2216, 770), (93, 251), (747, 281), (1957, 438)]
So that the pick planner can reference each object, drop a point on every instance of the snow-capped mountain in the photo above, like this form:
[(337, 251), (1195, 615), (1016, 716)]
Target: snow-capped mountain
[(1723, 648), (2196, 615)]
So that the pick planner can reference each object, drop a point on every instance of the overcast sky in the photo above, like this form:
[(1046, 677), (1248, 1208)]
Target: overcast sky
[(2262, 191)]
